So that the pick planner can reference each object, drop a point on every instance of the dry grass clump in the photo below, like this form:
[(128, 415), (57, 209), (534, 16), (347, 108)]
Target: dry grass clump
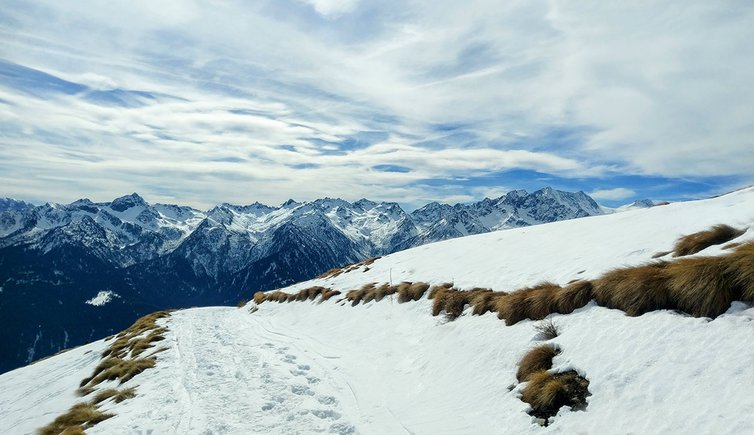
[(139, 345), (407, 291), (327, 294), (453, 301), (546, 393), (534, 303), (356, 296), (696, 242), (635, 290), (739, 269), (484, 301), (119, 362), (332, 273), (573, 296), (309, 293), (259, 297), (412, 292), (547, 329), (701, 286), (114, 368), (536, 360), (132, 340), (439, 288), (276, 296), (450, 300), (81, 416), (115, 394), (387, 290), (242, 303)]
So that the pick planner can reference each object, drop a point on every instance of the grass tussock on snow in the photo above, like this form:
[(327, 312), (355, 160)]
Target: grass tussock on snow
[(635, 290), (536, 360), (697, 242), (546, 393), (121, 362), (699, 286), (332, 273), (80, 417), (117, 395)]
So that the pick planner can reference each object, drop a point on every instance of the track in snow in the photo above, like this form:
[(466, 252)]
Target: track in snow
[(233, 374)]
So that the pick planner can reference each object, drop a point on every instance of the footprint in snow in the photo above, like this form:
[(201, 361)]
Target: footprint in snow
[(342, 429), (297, 372), (301, 390), (303, 367), (327, 400), (325, 414), (312, 380), (268, 406)]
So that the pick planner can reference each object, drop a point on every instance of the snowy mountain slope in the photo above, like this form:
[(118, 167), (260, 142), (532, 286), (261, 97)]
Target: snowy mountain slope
[(384, 367), (160, 255)]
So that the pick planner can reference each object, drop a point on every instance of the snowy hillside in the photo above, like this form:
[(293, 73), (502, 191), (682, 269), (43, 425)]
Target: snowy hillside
[(155, 256), (390, 367)]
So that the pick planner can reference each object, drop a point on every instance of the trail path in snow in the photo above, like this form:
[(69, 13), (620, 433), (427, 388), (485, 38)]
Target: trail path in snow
[(233, 375)]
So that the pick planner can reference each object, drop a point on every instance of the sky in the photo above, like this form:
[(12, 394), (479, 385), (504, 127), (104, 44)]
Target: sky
[(199, 102)]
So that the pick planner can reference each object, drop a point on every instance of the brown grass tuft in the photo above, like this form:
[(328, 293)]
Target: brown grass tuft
[(547, 393), (635, 290), (572, 297), (413, 292), (537, 359), (356, 296), (534, 303), (740, 271), (438, 288), (139, 345), (484, 302), (547, 329), (696, 242), (701, 286), (123, 370), (81, 416), (327, 294), (387, 290), (115, 394), (259, 297), (332, 273)]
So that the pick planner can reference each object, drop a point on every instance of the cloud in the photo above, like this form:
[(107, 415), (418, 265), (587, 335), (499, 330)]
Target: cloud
[(333, 7), (615, 194), (324, 97)]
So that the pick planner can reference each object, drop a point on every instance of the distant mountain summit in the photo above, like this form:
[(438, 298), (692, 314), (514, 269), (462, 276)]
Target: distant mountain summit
[(56, 257)]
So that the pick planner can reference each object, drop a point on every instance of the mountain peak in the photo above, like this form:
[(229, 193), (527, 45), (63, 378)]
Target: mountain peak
[(128, 201)]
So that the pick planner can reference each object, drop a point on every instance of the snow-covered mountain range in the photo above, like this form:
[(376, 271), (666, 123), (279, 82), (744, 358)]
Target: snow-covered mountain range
[(313, 366), (152, 256), (129, 231)]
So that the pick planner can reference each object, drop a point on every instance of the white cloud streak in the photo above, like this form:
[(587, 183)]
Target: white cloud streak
[(615, 194), (267, 95)]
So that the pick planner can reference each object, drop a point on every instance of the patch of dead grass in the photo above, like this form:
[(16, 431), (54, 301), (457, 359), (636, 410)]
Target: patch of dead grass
[(81, 416), (546, 393), (635, 290), (537, 359), (696, 242)]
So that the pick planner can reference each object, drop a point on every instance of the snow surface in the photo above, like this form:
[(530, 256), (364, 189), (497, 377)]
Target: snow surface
[(384, 367), (102, 298)]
